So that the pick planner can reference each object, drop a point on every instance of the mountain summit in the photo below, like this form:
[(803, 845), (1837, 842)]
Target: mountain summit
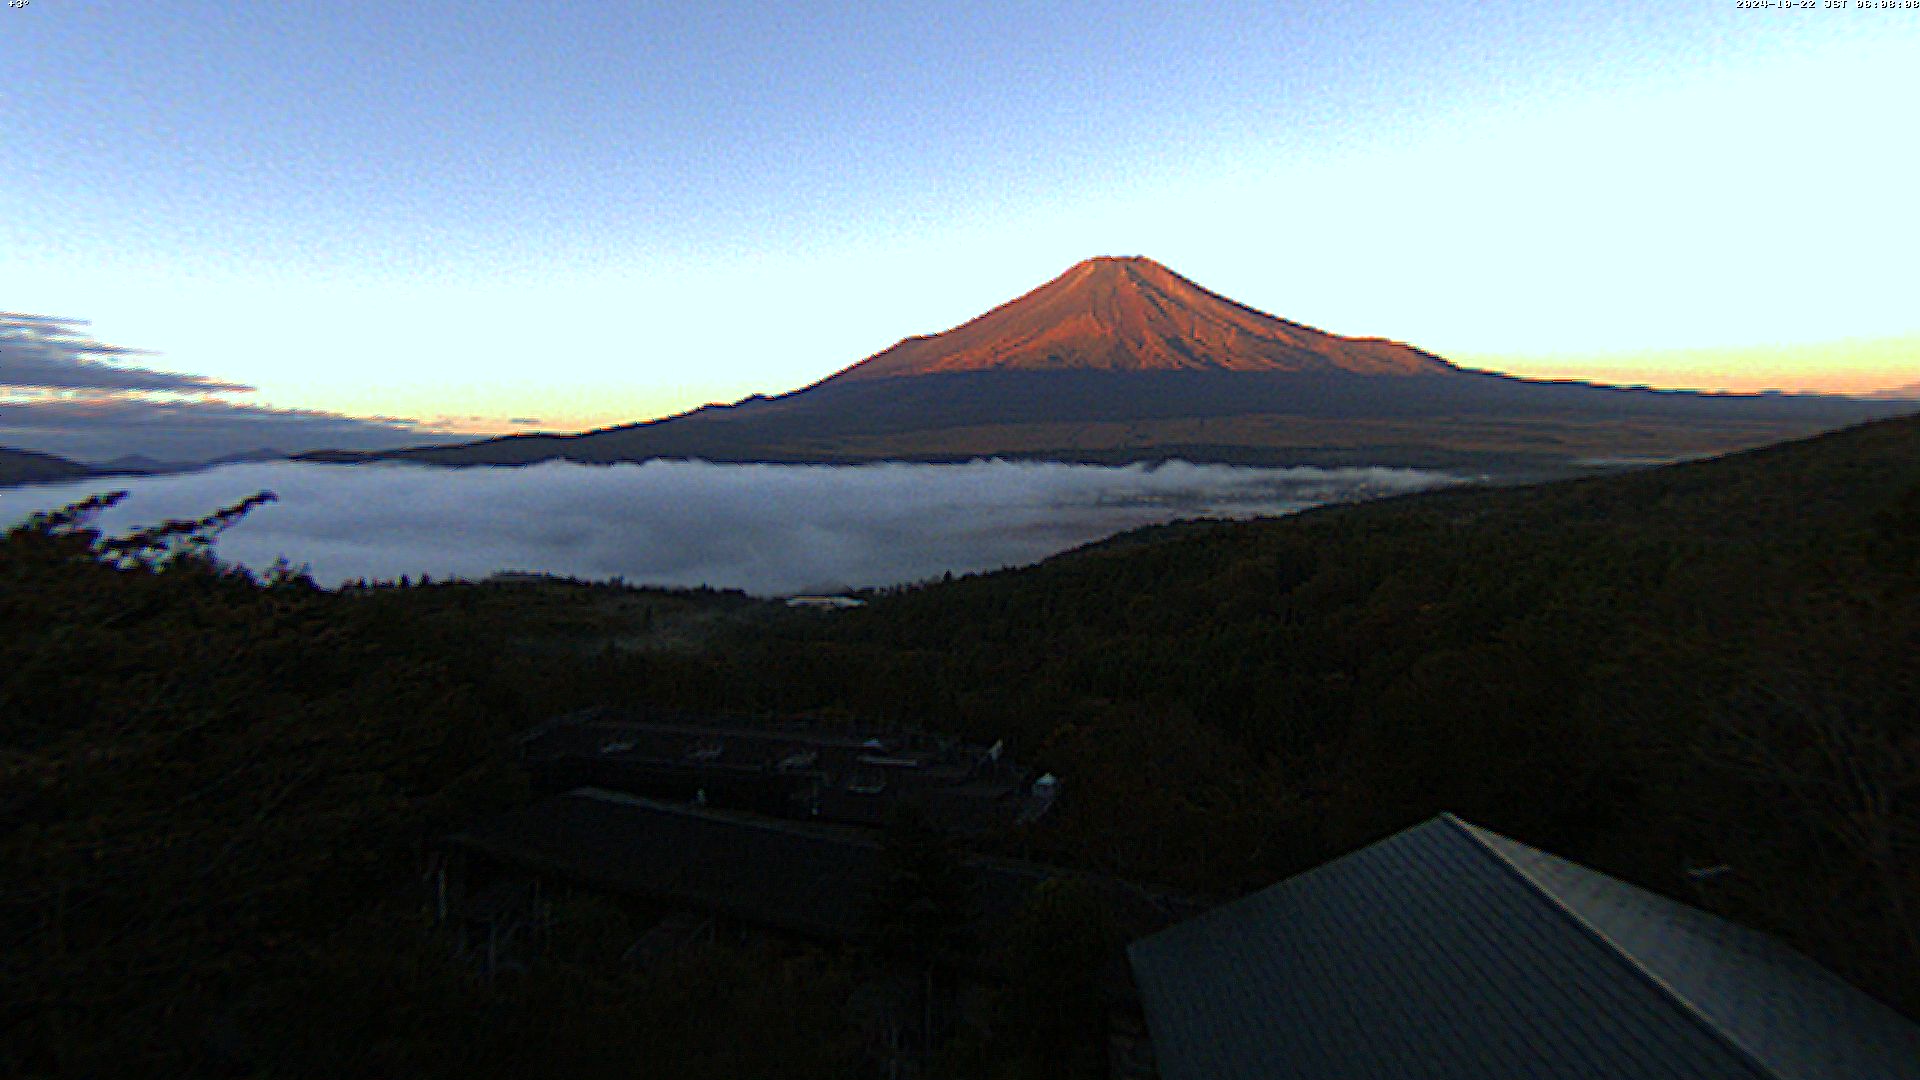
[(1121, 360), (1133, 314)]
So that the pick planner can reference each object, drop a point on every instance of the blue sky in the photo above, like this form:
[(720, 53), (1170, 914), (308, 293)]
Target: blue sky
[(586, 213)]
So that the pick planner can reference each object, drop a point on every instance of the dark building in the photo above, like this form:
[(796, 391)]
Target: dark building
[(704, 870), (806, 879), (1447, 952), (785, 770)]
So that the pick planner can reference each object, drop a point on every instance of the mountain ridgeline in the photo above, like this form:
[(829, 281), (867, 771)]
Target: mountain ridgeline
[(29, 466), (1120, 359), (1129, 316)]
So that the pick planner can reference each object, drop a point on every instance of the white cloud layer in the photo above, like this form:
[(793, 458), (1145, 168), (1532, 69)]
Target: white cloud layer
[(768, 529)]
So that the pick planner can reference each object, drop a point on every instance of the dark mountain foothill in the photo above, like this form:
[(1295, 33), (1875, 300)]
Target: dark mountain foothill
[(28, 466)]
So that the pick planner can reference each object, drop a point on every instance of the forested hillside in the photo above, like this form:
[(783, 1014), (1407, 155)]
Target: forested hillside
[(1708, 665), (214, 795), (214, 789)]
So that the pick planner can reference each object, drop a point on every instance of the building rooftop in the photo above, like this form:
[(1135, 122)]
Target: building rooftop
[(1447, 951), (606, 732), (786, 768)]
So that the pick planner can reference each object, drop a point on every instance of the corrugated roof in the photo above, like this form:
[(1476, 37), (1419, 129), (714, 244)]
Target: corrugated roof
[(1447, 951), (1792, 1016)]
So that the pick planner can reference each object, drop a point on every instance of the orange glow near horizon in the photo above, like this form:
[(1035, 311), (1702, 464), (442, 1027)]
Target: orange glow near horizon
[(1844, 367), (1695, 197), (1852, 366)]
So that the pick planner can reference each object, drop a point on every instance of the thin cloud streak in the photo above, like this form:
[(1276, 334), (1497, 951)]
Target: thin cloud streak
[(101, 427), (62, 393), (44, 352), (767, 529)]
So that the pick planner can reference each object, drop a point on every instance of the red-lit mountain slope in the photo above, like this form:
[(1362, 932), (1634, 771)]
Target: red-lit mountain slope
[(1133, 315), (1120, 359)]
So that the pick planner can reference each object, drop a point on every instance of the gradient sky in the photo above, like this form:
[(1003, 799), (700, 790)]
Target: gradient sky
[(578, 214)]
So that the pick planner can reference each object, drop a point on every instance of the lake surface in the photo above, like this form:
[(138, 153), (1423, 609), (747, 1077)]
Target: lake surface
[(768, 529)]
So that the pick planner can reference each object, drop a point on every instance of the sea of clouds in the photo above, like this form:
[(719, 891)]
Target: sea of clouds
[(768, 529)]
